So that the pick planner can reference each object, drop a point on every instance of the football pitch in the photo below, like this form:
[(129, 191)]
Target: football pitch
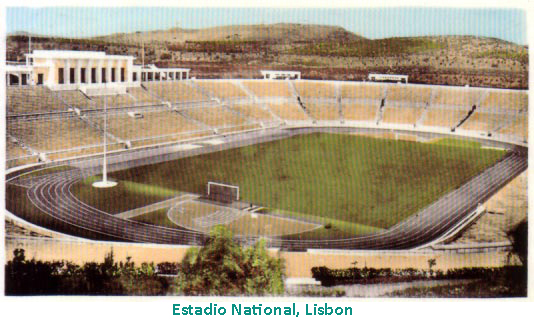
[(346, 180)]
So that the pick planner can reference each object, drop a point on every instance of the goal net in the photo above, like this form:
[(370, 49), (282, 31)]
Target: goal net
[(222, 192)]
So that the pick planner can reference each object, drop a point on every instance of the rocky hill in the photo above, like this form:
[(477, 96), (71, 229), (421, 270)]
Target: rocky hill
[(320, 52)]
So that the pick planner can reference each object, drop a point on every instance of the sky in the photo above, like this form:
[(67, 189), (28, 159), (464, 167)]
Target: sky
[(507, 24)]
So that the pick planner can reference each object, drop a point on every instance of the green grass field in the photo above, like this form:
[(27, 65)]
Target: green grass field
[(344, 178)]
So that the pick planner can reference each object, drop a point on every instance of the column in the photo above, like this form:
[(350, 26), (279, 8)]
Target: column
[(50, 78), (78, 72), (129, 71), (99, 66), (108, 71), (88, 68), (66, 71), (118, 66), (180, 73)]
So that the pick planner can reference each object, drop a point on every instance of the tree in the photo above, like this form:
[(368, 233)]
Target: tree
[(519, 239), (431, 263), (222, 267)]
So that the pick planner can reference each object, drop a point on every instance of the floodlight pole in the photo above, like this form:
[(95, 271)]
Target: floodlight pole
[(105, 164), (105, 183)]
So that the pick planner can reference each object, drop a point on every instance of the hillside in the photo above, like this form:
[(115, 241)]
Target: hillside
[(276, 33), (320, 52)]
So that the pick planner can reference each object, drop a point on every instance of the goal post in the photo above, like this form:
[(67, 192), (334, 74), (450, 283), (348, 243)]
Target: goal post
[(222, 191)]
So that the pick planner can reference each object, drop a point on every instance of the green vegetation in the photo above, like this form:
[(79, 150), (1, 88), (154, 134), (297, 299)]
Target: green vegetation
[(511, 279), (520, 56), (333, 228), (222, 267), (222, 46), (457, 143), (368, 48), (31, 277), (324, 293), (367, 181), (480, 288)]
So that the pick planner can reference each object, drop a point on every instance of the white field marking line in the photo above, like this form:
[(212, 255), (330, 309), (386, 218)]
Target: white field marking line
[(219, 217), (154, 206), (181, 210), (315, 227), (289, 219)]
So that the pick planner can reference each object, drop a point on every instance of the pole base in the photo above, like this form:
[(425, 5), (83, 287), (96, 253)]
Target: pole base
[(104, 184)]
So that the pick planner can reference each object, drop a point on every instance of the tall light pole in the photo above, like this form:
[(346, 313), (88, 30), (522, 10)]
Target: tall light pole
[(105, 183), (143, 49)]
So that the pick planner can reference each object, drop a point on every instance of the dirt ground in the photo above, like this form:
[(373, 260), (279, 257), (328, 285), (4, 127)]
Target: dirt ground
[(504, 211)]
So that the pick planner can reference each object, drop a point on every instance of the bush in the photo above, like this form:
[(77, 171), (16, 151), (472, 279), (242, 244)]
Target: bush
[(222, 267)]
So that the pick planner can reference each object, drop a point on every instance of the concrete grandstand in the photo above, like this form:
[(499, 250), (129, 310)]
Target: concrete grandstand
[(174, 118)]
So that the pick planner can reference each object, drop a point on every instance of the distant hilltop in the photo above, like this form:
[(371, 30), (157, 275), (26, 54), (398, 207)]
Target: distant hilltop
[(280, 32)]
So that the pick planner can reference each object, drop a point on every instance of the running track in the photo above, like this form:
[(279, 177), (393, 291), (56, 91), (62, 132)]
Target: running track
[(52, 195)]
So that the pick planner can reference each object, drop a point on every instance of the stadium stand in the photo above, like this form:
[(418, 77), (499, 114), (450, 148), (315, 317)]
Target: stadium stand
[(362, 91), (289, 111), (54, 134), (174, 91), (314, 89), (486, 120), (121, 100), (83, 151), (324, 111), (269, 88), (152, 124), (59, 135), (77, 99), (517, 128), (444, 117), (225, 90), (457, 96), (506, 100), (408, 94), (14, 151), (214, 116), (33, 99), (252, 111), (16, 155), (402, 115), (142, 97), (359, 112)]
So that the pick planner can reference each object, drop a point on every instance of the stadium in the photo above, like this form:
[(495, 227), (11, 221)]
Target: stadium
[(303, 164)]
